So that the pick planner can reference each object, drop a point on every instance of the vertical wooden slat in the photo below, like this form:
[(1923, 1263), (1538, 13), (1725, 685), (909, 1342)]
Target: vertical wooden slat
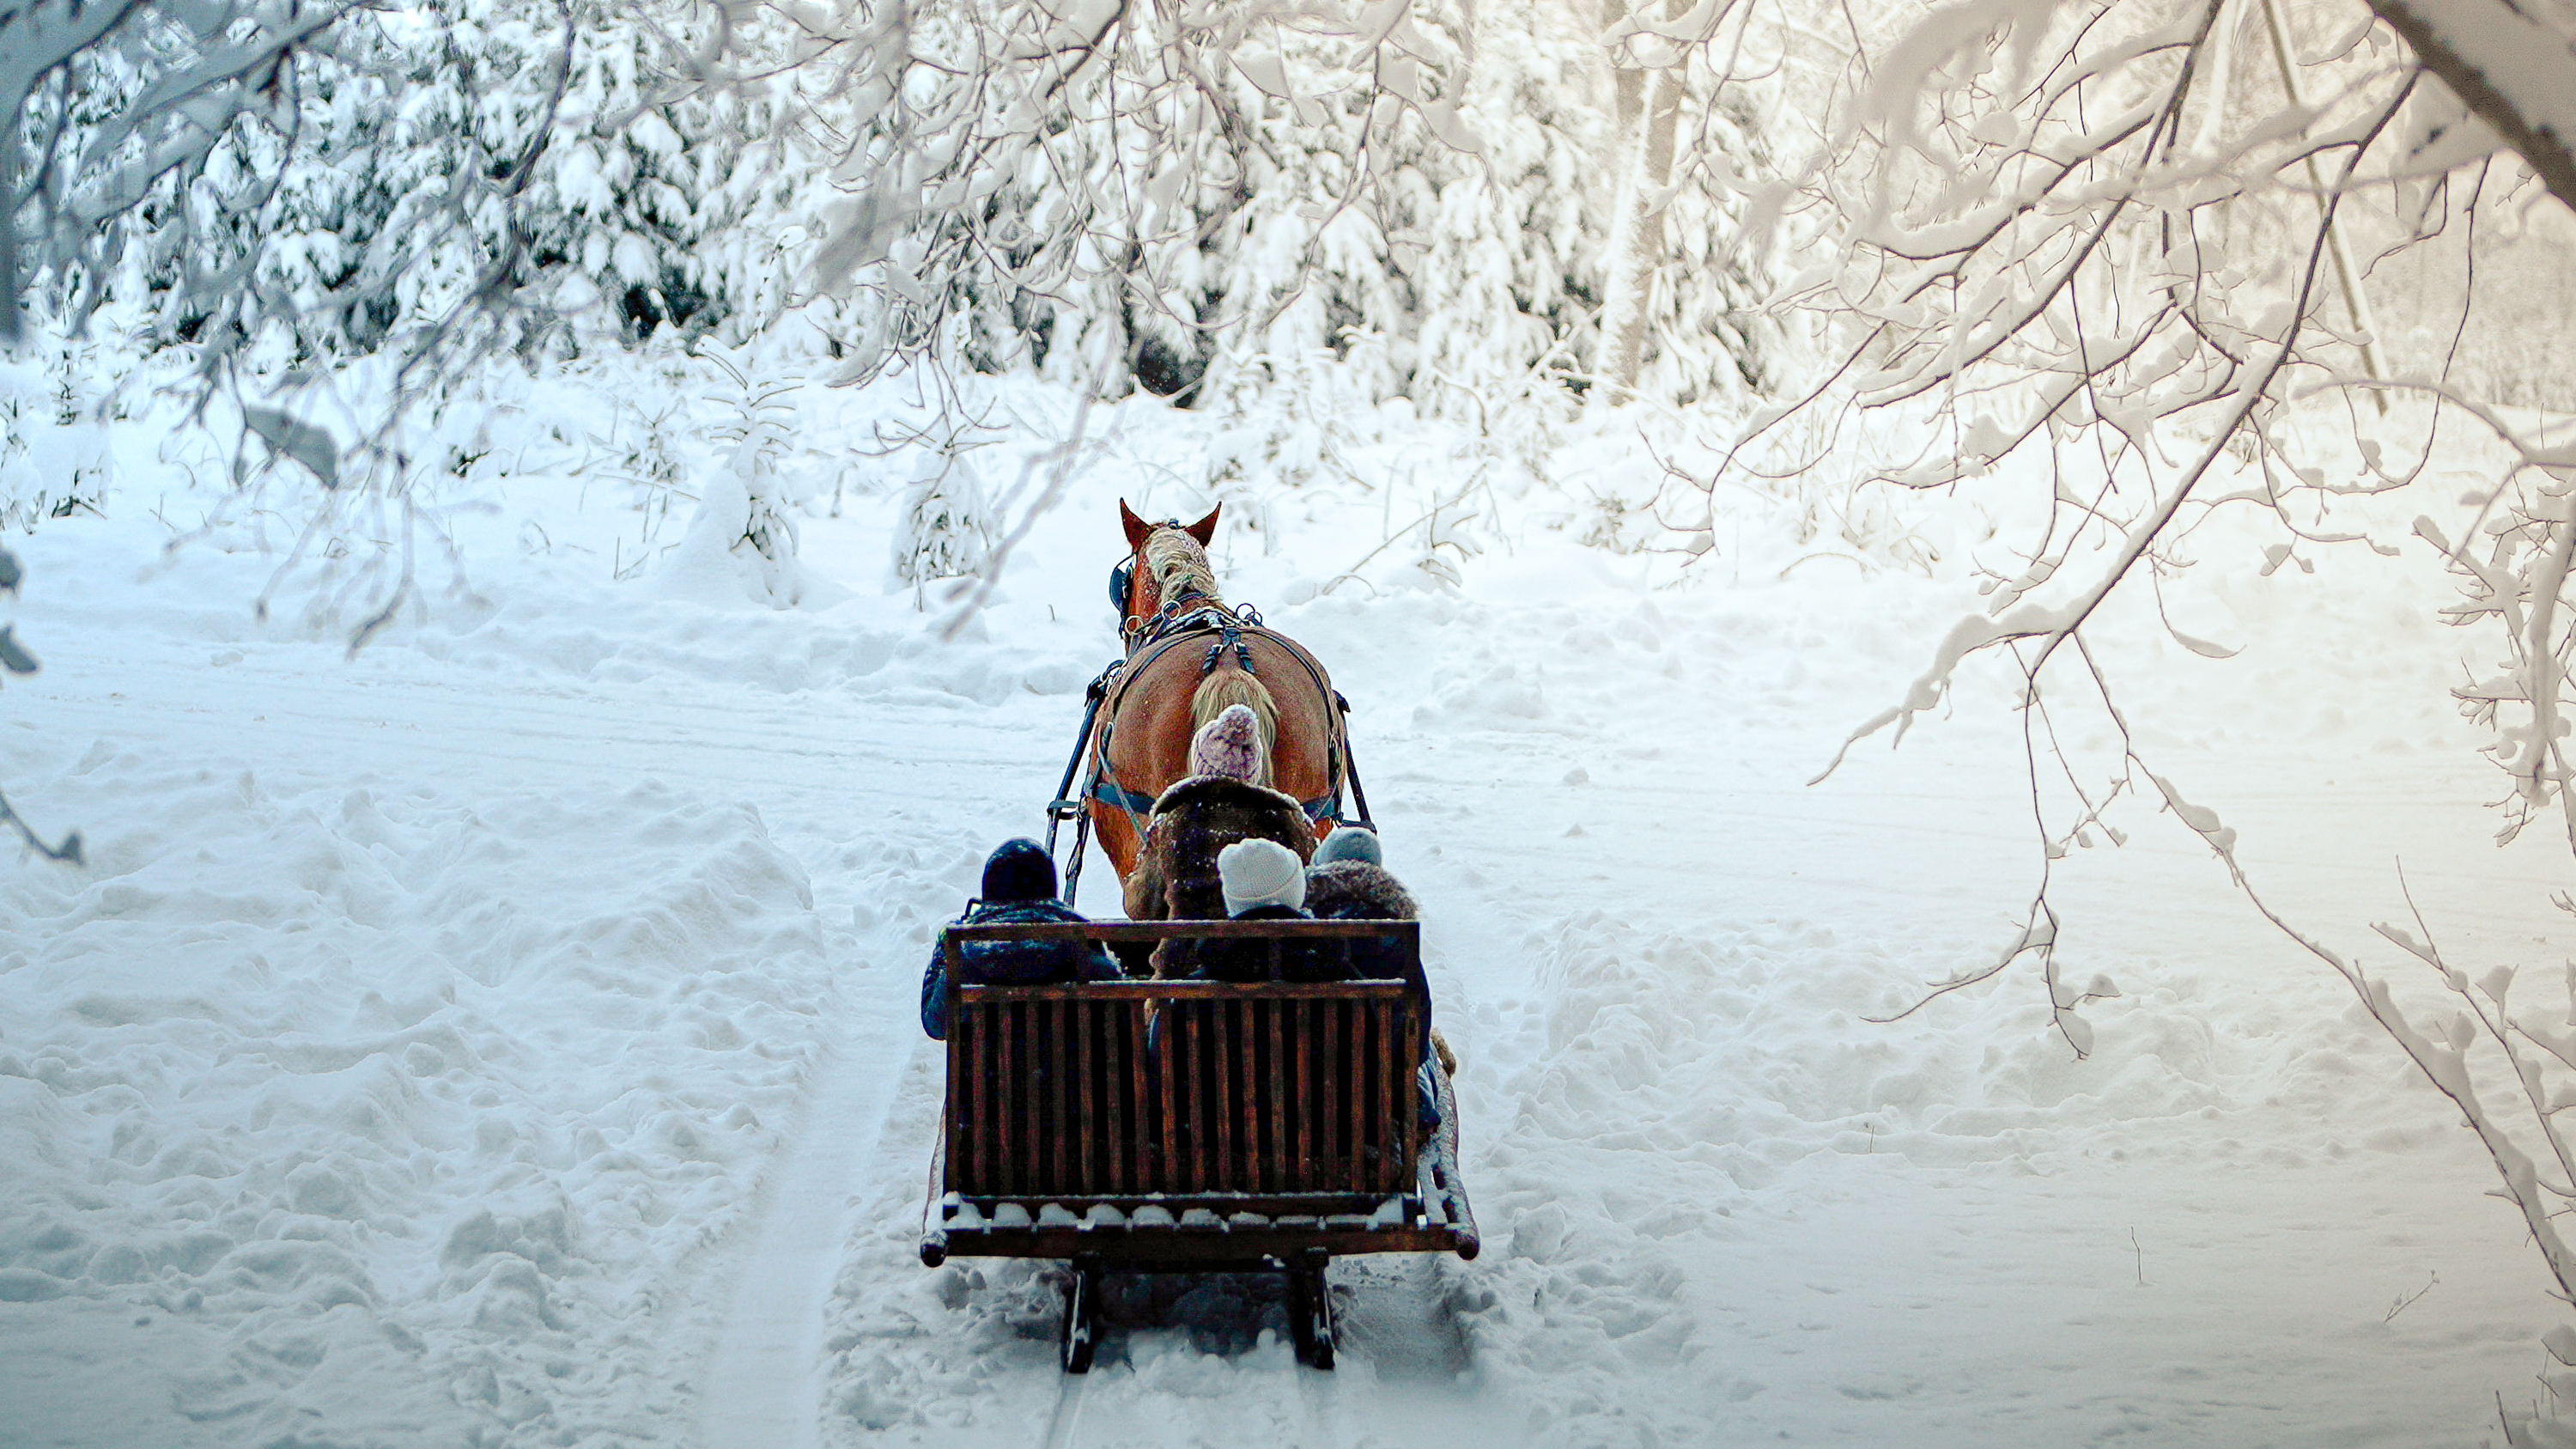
[(1408, 1103), (1052, 1016), (1277, 1115), (1042, 1096), (1325, 1100), (979, 1072), (1221, 1026), (1007, 1096), (988, 1086), (1031, 1116), (1320, 1094), (1353, 1068), (1167, 1065), (1023, 1097), (1306, 1099), (1195, 1084), (988, 1083), (1247, 1092), (988, 1095), (1407, 1092), (1382, 1066), (1086, 1112), (1032, 1123), (1372, 1068), (1124, 1136), (960, 1139)]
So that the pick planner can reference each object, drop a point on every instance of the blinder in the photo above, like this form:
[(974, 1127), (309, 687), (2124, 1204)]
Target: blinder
[(1121, 576)]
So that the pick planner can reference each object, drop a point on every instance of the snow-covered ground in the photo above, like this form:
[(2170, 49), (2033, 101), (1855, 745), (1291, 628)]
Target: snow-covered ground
[(504, 1037)]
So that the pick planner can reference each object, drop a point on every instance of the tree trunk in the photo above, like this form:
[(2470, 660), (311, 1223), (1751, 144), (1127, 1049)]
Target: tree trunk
[(1649, 108)]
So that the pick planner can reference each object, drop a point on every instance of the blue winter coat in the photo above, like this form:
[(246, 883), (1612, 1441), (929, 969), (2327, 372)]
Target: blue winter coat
[(1010, 963)]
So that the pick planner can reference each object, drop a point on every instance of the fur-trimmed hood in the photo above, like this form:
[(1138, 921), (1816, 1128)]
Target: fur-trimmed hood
[(1354, 890), (1175, 877), (1204, 790)]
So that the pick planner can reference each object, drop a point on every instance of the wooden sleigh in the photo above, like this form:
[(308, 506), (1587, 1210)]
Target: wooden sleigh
[(1179, 1126)]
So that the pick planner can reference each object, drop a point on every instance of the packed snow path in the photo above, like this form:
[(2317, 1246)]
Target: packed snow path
[(506, 1037), (763, 1387)]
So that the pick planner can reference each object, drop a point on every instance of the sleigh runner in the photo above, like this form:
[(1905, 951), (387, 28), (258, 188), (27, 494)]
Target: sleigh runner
[(1166, 1126)]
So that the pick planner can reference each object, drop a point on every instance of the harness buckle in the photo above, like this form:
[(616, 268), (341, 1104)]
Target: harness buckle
[(1064, 809)]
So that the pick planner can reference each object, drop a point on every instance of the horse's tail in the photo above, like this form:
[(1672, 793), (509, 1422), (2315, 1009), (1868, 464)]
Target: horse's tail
[(1234, 686)]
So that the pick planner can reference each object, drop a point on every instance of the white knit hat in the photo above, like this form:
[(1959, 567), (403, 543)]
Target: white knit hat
[(1260, 873)]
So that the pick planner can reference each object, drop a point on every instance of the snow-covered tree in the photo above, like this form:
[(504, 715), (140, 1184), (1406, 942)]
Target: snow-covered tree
[(1121, 195), (325, 218), (2129, 247)]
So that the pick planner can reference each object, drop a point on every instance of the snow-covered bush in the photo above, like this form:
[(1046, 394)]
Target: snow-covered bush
[(54, 454), (743, 535), (14, 659), (945, 528)]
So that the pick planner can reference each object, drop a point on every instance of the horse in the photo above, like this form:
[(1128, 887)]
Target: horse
[(1188, 656)]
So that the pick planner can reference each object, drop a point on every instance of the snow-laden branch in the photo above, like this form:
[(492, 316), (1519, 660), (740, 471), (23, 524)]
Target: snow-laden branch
[(2514, 72), (2085, 240)]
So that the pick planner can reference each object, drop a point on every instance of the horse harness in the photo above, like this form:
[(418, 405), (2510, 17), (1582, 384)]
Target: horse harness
[(1190, 616)]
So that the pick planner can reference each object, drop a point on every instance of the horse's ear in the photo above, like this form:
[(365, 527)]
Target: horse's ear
[(1136, 527), (1205, 528)]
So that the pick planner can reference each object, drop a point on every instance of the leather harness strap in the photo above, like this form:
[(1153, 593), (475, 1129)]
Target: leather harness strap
[(1169, 628), (1147, 641)]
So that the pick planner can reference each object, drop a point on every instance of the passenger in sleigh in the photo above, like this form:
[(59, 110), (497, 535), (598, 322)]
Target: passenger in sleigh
[(1223, 801), (1018, 889), (1263, 881), (1349, 881)]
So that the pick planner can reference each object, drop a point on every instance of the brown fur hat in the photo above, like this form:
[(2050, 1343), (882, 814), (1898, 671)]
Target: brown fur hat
[(1355, 888)]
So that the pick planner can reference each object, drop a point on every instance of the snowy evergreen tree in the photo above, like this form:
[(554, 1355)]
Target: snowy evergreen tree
[(433, 181), (945, 529), (1120, 197)]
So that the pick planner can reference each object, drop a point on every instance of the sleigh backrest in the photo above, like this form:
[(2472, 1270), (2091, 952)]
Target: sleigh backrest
[(1259, 1094)]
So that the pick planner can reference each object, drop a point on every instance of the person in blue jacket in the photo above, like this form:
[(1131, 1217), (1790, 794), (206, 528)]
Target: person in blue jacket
[(1019, 889)]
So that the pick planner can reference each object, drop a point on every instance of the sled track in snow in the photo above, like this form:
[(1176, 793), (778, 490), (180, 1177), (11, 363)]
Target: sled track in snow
[(763, 1386), (1068, 1413), (1315, 1398), (1317, 1428)]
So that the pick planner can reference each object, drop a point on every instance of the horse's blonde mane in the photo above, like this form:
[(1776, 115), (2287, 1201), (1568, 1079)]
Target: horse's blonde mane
[(1178, 565)]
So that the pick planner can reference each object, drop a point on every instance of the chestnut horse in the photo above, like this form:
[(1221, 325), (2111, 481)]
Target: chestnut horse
[(1188, 657)]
